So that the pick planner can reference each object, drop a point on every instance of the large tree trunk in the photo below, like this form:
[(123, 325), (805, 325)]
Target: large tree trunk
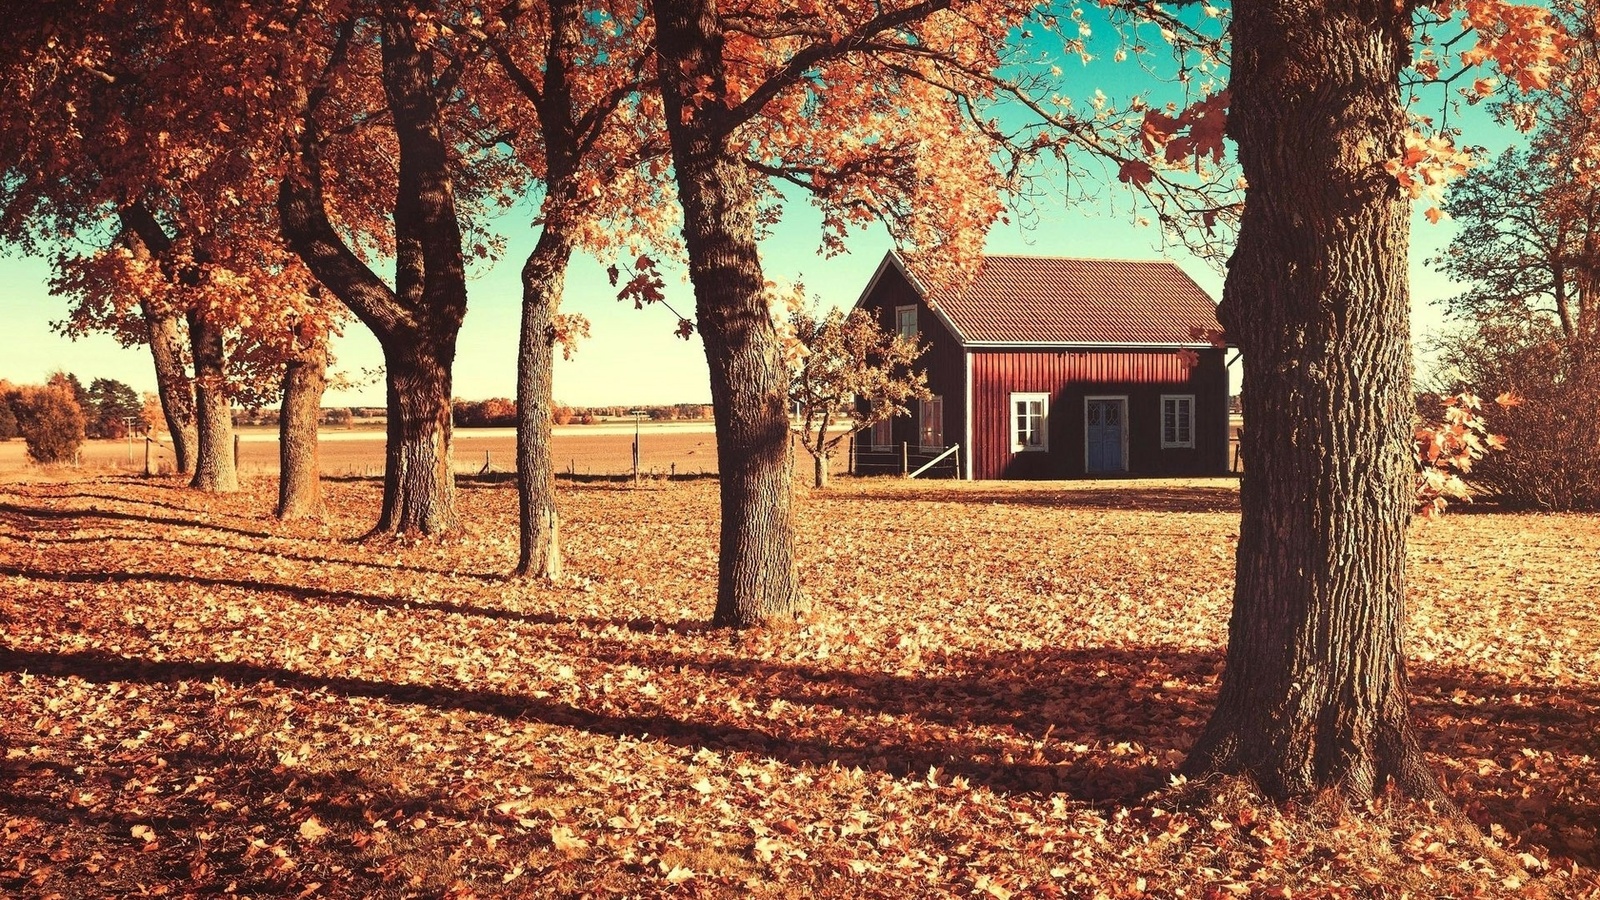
[(417, 321), (542, 281), (820, 454), (214, 464), (419, 485), (299, 469), (147, 239), (173, 385), (1314, 695), (757, 581)]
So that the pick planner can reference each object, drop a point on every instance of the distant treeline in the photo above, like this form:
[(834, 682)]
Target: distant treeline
[(502, 413), (331, 415), (497, 412)]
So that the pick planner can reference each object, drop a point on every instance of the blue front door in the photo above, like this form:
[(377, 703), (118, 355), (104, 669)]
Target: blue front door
[(1104, 420)]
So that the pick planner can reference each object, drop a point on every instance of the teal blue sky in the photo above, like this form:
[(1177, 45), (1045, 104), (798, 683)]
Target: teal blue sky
[(633, 356)]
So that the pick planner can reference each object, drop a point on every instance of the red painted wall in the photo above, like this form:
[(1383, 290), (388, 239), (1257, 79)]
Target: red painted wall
[(1069, 376)]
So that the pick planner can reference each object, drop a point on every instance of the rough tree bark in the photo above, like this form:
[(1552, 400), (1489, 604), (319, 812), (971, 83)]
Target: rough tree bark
[(757, 580), (214, 464), (173, 386), (419, 485), (1314, 696), (822, 452), (299, 469), (543, 276), (417, 322), (146, 239)]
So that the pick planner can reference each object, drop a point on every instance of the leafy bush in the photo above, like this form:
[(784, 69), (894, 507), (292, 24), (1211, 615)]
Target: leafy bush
[(497, 412), (1552, 455), (51, 421), (8, 422)]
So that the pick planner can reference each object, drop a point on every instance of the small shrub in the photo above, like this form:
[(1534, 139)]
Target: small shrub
[(51, 422), (1553, 429), (8, 422)]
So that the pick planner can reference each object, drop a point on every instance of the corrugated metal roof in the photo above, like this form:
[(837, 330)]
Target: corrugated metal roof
[(1051, 300)]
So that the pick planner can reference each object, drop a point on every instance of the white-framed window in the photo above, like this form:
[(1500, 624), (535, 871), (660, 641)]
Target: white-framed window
[(1177, 420), (930, 422), (1030, 415), (905, 321), (881, 435)]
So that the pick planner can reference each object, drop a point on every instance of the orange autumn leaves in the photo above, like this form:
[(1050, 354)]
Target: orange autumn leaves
[(1447, 449), (283, 709), (1525, 43)]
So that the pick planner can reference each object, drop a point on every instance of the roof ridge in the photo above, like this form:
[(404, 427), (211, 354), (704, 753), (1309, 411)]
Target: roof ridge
[(1064, 258), (1073, 300)]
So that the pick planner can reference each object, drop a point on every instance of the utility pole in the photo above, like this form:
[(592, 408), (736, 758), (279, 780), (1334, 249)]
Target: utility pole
[(636, 413)]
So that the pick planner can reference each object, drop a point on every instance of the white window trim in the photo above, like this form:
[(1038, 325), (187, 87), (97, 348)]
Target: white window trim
[(1044, 421), (914, 317), (1125, 429), (1169, 445)]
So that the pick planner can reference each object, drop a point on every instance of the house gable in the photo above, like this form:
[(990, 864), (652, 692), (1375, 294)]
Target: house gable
[(893, 288), (1066, 340)]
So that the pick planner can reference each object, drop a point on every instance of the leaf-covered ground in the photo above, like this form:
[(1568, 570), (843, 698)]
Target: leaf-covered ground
[(988, 699)]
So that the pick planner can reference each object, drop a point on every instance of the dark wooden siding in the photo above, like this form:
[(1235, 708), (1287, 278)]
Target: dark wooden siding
[(1069, 376), (943, 360)]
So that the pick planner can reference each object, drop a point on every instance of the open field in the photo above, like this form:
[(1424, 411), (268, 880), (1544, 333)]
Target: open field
[(684, 448), (987, 699)]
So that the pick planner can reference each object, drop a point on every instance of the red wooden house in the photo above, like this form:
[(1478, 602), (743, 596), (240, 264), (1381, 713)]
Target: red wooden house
[(1045, 367)]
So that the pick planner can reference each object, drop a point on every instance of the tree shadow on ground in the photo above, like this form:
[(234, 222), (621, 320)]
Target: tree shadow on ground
[(1471, 718), (1106, 774), (340, 596), (959, 712), (1094, 718), (276, 551), (79, 493), (1107, 497), (214, 848), (36, 518)]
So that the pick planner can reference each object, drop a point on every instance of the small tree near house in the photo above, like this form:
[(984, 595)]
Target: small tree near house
[(846, 370)]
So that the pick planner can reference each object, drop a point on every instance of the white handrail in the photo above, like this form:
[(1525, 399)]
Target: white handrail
[(936, 459)]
